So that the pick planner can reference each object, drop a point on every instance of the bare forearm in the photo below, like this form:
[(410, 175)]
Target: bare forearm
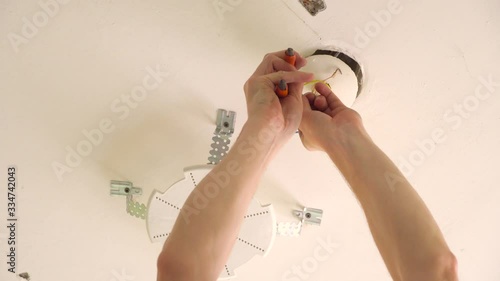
[(198, 246), (404, 230), (204, 234)]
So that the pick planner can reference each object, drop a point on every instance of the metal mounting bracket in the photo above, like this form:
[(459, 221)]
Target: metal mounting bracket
[(225, 122), (310, 216), (313, 6), (126, 188), (223, 131), (306, 216)]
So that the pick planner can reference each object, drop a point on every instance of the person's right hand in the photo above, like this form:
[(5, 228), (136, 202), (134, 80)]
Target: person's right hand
[(326, 120)]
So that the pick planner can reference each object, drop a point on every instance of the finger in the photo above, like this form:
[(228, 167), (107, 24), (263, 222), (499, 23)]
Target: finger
[(289, 77), (332, 100), (281, 65), (310, 98), (306, 111), (299, 62), (296, 90), (270, 58), (320, 103), (306, 104), (273, 63)]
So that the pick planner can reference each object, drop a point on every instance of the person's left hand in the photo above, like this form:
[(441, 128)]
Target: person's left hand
[(282, 115)]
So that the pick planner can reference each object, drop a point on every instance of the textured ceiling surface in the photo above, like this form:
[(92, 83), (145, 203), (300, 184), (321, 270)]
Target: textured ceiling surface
[(128, 90)]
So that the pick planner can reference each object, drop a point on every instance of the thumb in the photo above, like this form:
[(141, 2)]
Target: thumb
[(305, 104), (307, 110)]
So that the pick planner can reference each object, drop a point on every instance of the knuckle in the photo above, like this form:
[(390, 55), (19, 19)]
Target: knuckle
[(251, 81), (270, 59)]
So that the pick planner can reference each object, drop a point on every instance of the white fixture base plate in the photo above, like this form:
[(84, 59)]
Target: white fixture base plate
[(257, 232)]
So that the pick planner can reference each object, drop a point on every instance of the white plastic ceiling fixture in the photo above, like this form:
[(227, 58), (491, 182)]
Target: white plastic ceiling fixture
[(257, 232), (346, 81)]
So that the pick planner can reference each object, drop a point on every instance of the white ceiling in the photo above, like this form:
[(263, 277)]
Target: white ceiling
[(65, 78)]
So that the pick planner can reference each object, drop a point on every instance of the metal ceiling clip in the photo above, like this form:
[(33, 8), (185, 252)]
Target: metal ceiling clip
[(223, 131), (306, 216), (310, 216), (225, 122), (313, 6), (126, 188)]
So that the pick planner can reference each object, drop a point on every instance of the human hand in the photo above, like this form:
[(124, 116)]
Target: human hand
[(265, 108), (326, 120)]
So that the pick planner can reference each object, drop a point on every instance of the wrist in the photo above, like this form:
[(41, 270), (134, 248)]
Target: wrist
[(346, 143), (266, 131), (259, 137)]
